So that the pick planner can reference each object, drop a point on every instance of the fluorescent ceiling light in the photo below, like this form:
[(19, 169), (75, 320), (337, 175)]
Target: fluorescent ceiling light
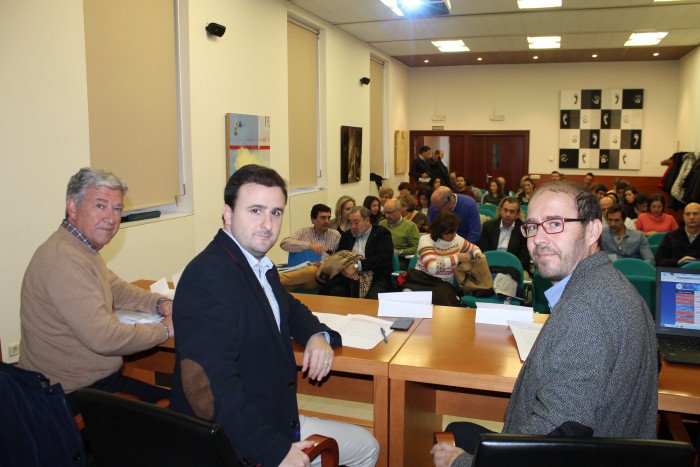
[(394, 7), (645, 38), (544, 42), (527, 4), (451, 46), (661, 1)]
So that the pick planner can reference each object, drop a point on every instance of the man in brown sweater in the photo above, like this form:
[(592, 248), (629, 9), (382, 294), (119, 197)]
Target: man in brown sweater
[(69, 330)]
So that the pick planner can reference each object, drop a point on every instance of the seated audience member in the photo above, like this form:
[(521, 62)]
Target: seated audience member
[(588, 180), (375, 209), (342, 213), (385, 193), (683, 243), (404, 189), (555, 176), (620, 187), (453, 180), (439, 253), (506, 192), (528, 189), (495, 194), (234, 362), (317, 238), (599, 190), (70, 332), (370, 273), (410, 212), (404, 233), (503, 233), (593, 371), (656, 220), (462, 188), (641, 204), (605, 202), (436, 183), (478, 194), (424, 200), (620, 242), (630, 197), (443, 200)]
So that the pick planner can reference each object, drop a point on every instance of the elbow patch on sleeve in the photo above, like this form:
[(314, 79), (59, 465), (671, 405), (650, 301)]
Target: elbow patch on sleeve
[(197, 388)]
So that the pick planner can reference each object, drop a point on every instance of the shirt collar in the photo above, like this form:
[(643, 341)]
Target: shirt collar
[(554, 293), (262, 265), (73, 230), (366, 234), (507, 229)]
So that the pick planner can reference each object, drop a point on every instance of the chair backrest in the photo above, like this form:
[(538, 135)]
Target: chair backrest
[(395, 263), (546, 451), (299, 257), (488, 210), (655, 238), (504, 258), (125, 432), (413, 262), (646, 286), (691, 265), (634, 266)]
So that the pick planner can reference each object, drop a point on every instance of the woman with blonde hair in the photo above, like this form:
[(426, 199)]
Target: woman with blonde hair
[(342, 213)]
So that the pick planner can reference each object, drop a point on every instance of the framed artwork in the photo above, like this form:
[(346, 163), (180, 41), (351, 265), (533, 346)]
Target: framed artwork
[(601, 129), (350, 154), (400, 151), (247, 141)]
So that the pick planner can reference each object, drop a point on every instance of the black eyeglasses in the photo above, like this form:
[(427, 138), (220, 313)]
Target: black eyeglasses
[(550, 226)]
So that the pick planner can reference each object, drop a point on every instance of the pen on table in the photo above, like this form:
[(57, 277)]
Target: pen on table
[(386, 339)]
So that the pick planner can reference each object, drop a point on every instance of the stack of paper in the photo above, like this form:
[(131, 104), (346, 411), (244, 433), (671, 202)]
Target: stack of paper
[(525, 336), (137, 317), (358, 331)]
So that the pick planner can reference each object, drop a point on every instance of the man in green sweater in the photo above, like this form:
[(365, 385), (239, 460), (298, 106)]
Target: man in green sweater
[(404, 233), (69, 330)]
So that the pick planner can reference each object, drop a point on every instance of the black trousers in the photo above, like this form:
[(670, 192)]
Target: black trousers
[(341, 286)]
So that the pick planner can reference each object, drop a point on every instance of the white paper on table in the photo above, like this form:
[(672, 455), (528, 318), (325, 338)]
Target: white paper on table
[(358, 331), (406, 304), (161, 287), (498, 313), (525, 336), (137, 317)]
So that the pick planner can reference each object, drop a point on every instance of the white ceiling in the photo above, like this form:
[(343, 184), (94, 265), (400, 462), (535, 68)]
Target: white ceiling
[(496, 30)]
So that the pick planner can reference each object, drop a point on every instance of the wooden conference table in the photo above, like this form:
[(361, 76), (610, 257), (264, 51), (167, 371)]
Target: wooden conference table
[(452, 366)]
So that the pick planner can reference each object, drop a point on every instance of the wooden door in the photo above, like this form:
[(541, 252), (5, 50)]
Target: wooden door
[(498, 155)]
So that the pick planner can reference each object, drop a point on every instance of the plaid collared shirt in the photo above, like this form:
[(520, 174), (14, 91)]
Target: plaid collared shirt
[(77, 234)]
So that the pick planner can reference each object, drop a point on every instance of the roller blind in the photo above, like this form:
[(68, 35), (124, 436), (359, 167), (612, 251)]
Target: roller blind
[(130, 50), (302, 54)]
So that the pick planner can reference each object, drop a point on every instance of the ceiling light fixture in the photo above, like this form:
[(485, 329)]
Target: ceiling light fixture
[(656, 54), (423, 8), (535, 57), (426, 61), (479, 59), (594, 55), (451, 46), (394, 7), (544, 42), (528, 4), (644, 38)]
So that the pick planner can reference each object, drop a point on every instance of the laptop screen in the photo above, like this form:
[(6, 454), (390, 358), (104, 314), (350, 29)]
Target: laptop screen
[(678, 301)]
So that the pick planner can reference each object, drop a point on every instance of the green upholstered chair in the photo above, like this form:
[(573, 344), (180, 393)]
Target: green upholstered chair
[(691, 265), (497, 258), (539, 285), (634, 266), (488, 210), (655, 238), (646, 286)]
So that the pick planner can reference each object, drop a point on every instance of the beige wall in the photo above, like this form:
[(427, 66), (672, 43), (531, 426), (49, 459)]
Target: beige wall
[(689, 103), (528, 96)]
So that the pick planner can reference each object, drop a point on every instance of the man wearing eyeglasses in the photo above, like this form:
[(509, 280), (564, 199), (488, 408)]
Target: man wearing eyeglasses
[(443, 200), (593, 370)]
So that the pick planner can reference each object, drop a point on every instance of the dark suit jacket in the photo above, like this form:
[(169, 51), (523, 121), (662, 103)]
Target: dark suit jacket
[(517, 244), (418, 167), (379, 252), (232, 364)]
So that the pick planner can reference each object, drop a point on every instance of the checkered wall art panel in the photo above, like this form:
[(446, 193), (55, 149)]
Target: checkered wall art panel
[(601, 129)]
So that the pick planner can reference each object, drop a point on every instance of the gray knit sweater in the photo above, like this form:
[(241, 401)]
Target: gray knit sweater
[(594, 363)]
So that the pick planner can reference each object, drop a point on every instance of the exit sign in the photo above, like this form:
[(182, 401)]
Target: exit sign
[(438, 127)]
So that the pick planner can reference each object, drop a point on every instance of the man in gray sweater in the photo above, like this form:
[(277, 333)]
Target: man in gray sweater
[(593, 370)]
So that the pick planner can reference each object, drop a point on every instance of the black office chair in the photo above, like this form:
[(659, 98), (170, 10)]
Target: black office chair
[(125, 432), (546, 451), (498, 450)]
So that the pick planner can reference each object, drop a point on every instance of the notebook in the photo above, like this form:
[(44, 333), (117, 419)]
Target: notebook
[(678, 314)]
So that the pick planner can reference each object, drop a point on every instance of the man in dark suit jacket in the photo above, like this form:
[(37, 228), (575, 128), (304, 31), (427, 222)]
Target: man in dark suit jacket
[(375, 245), (421, 165), (507, 224), (233, 360)]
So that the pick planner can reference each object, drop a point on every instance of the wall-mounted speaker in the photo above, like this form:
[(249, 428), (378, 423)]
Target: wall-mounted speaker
[(215, 29)]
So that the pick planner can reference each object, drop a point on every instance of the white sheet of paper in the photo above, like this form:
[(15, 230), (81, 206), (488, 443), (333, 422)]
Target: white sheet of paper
[(498, 313), (411, 297), (525, 336), (358, 331), (161, 287), (137, 317), (406, 304)]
